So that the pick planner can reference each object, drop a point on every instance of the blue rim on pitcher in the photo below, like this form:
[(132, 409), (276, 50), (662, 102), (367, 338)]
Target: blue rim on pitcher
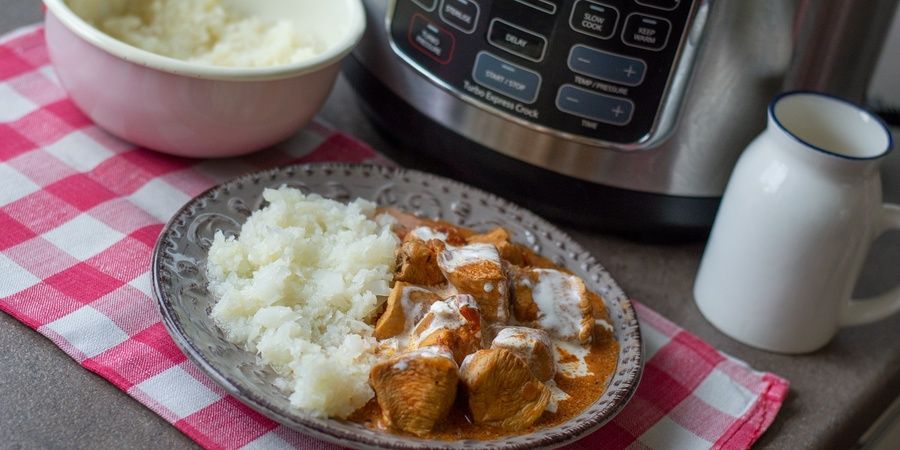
[(874, 117)]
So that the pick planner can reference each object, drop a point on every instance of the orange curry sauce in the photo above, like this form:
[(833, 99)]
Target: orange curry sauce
[(583, 391)]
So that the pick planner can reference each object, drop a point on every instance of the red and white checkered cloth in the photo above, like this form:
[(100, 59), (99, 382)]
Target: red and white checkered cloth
[(80, 211)]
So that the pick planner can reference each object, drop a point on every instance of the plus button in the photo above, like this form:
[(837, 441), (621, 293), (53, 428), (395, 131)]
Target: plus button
[(618, 111), (630, 71)]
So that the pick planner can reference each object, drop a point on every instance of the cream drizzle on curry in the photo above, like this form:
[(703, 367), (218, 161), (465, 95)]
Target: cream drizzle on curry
[(441, 325)]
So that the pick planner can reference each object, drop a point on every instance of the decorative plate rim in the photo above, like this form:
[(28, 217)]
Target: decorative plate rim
[(624, 381)]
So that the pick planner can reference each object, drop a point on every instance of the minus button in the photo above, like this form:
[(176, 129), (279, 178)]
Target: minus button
[(594, 105)]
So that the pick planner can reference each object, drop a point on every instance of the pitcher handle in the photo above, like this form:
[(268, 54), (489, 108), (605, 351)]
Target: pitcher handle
[(876, 308)]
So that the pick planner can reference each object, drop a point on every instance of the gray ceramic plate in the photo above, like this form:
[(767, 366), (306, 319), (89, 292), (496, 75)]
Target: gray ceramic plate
[(179, 284)]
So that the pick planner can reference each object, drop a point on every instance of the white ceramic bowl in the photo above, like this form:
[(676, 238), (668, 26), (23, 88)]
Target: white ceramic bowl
[(193, 109)]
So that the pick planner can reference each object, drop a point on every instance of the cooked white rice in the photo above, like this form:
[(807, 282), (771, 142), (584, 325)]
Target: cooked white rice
[(206, 31), (297, 286)]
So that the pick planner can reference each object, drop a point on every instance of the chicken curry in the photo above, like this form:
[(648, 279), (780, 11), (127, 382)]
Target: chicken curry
[(483, 338)]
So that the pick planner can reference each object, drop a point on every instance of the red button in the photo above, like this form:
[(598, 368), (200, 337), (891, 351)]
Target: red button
[(431, 39)]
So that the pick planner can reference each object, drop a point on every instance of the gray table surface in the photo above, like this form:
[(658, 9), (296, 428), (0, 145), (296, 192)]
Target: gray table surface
[(48, 401)]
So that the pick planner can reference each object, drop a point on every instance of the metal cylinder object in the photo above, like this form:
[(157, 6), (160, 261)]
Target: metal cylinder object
[(732, 57)]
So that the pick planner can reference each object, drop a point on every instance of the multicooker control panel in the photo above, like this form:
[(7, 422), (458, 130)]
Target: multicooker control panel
[(597, 69)]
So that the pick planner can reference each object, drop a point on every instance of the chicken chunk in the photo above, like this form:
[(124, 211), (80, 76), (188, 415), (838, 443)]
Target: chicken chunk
[(502, 391), (415, 390), (407, 223), (554, 301), (516, 254), (533, 346), (475, 269), (454, 323), (603, 328), (406, 305), (417, 262), (499, 237), (444, 233)]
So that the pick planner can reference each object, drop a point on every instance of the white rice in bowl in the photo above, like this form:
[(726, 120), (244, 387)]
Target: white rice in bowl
[(203, 31), (297, 286)]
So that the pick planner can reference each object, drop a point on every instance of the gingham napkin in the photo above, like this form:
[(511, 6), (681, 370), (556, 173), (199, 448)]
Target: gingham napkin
[(80, 211)]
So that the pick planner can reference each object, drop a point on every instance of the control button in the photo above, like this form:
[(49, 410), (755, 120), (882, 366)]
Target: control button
[(668, 5), (594, 106), (460, 14), (506, 78), (430, 39), (427, 5), (607, 66), (594, 19), (517, 40), (540, 5), (643, 31)]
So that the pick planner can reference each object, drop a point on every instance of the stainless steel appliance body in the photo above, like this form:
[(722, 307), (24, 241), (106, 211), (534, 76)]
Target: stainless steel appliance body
[(635, 109)]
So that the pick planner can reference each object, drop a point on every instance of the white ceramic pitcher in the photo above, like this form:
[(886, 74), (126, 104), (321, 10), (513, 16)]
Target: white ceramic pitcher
[(801, 210)]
